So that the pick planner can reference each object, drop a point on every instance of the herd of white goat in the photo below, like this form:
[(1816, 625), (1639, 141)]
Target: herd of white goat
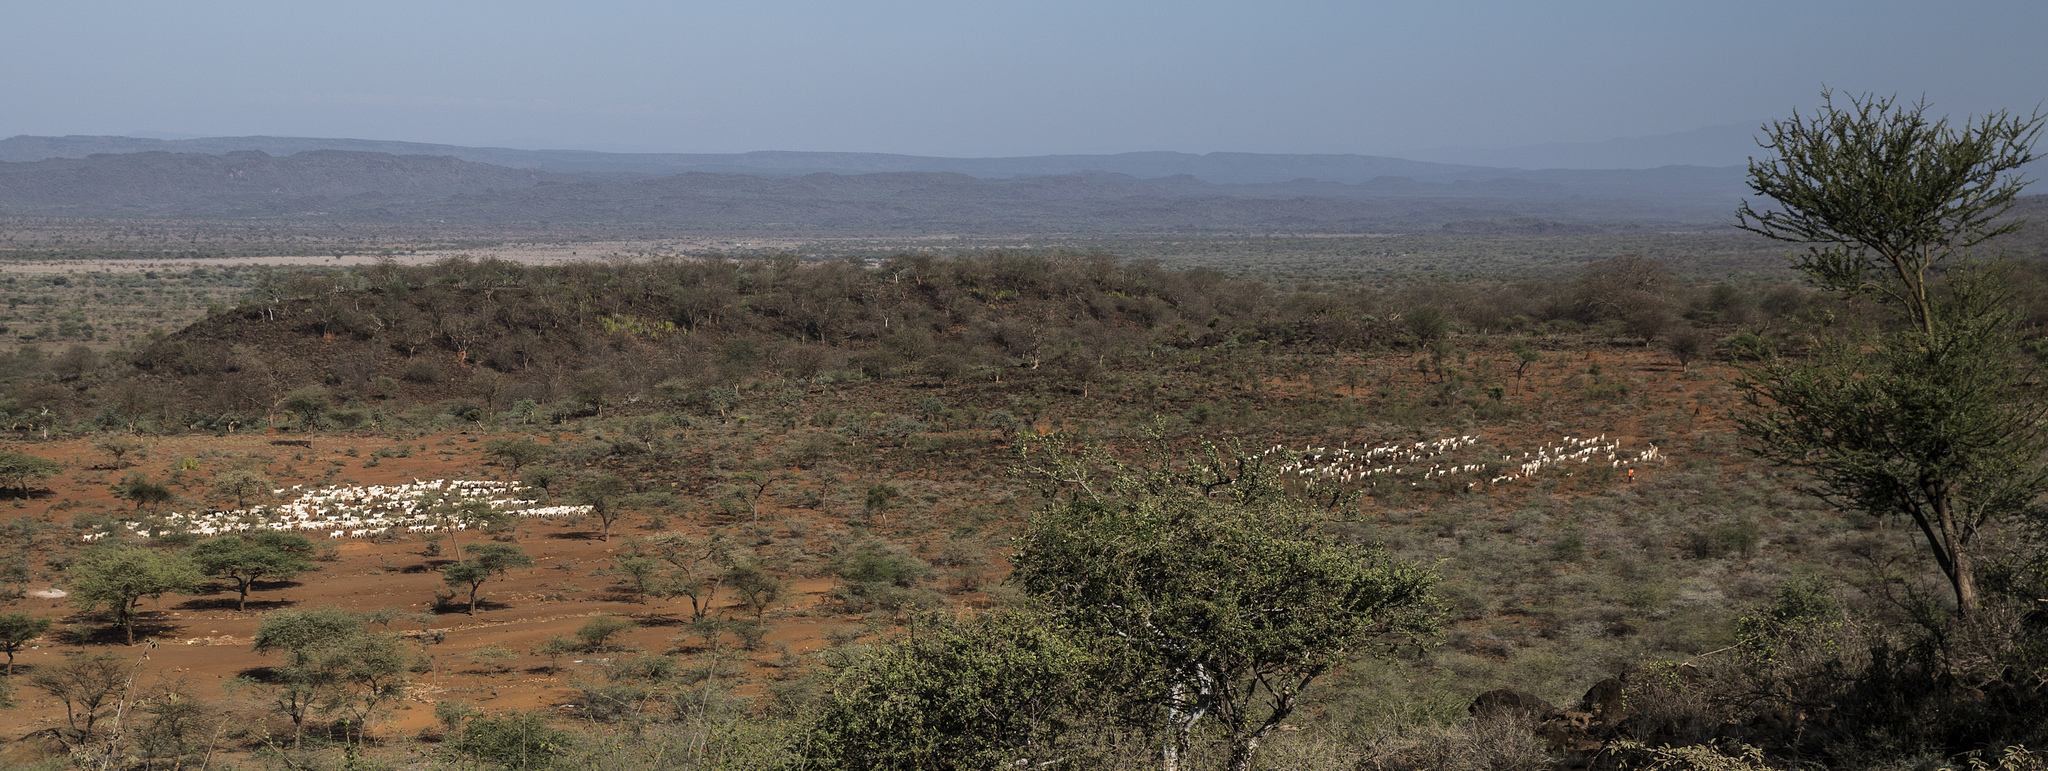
[(358, 512), (361, 512), (1368, 466)]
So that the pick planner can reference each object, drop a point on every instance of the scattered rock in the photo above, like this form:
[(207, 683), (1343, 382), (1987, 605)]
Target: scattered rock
[(1505, 701), (1604, 700), (1581, 730)]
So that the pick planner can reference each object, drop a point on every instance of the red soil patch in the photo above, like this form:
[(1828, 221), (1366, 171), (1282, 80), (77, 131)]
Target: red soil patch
[(203, 640)]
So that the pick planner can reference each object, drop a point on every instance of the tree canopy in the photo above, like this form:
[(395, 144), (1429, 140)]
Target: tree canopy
[(1182, 595), (995, 691), (1227, 584), (458, 512), (1932, 415), (601, 492), (87, 684), (241, 485), (1884, 194), (333, 664), (16, 630), (486, 561), (245, 559), (19, 470), (118, 577)]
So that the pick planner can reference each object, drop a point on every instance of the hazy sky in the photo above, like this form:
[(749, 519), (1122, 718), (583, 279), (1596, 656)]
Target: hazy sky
[(969, 78)]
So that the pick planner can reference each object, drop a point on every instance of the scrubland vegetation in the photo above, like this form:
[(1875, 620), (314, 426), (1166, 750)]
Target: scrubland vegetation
[(1047, 509), (757, 424)]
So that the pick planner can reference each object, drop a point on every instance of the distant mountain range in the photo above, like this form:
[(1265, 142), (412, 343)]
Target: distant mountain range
[(1730, 144), (1221, 168), (290, 177)]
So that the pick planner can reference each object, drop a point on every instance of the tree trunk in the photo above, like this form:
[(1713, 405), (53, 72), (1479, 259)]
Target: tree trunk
[(1964, 581), (1245, 744), (1171, 745), (1180, 722), (1241, 751), (1951, 553), (128, 619)]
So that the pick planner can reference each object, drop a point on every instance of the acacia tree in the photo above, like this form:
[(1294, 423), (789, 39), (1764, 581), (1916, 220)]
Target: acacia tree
[(19, 470), (486, 561), (333, 663), (245, 559), (117, 446), (1930, 416), (16, 629), (371, 671), (1886, 197), (601, 493), (145, 493), (308, 404), (84, 682), (758, 589), (1525, 355), (699, 566), (516, 453), (241, 485), (118, 577), (457, 512), (1224, 583), (301, 688)]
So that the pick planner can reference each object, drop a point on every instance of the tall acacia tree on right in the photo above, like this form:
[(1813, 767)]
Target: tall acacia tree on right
[(1928, 411)]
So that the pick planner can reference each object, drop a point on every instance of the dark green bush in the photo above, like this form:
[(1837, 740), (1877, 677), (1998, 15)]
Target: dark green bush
[(523, 741), (873, 577)]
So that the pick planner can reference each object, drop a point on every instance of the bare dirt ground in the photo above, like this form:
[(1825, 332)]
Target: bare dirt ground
[(204, 641)]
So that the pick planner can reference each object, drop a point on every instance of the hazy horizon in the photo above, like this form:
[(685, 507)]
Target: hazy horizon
[(949, 80), (604, 148)]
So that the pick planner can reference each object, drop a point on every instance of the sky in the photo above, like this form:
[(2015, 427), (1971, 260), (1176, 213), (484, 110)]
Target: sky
[(972, 78)]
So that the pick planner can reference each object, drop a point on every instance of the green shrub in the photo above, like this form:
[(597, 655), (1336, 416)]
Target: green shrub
[(513, 742), (597, 633), (1612, 390), (873, 577)]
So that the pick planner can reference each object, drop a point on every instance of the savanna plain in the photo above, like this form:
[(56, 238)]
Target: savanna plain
[(341, 496)]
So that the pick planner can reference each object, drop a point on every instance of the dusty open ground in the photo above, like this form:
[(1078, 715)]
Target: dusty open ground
[(204, 641)]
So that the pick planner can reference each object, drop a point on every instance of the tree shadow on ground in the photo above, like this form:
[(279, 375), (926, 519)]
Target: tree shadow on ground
[(149, 623), (460, 607), (657, 618), (228, 604)]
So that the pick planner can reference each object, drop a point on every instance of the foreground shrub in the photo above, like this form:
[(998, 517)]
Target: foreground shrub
[(992, 692), (523, 741)]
